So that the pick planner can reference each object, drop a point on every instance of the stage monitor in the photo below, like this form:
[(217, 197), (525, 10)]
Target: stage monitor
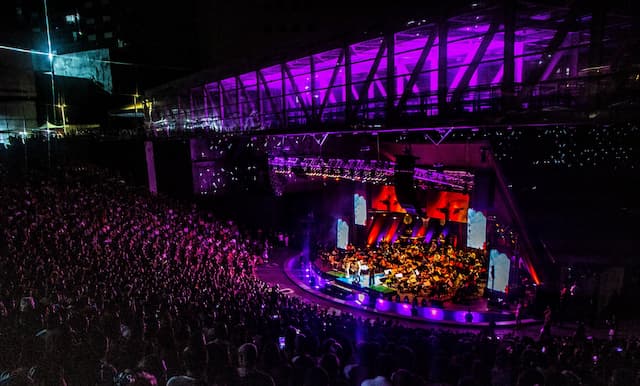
[(342, 234), (359, 209), (476, 229), (499, 267)]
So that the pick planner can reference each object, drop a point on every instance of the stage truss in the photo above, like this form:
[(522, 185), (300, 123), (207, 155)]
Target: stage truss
[(368, 171)]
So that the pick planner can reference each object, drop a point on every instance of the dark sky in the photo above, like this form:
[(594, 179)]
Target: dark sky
[(209, 34)]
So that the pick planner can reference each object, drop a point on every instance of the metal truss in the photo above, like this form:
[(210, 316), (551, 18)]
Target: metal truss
[(489, 61), (371, 171)]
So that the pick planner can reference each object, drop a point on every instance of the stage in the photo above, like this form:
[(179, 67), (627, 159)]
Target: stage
[(335, 287), (361, 281)]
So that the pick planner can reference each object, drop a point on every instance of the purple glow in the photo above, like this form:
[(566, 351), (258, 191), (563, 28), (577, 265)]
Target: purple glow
[(383, 305), (429, 235), (468, 49), (519, 61), (403, 309), (248, 79), (432, 313), (459, 316), (232, 102)]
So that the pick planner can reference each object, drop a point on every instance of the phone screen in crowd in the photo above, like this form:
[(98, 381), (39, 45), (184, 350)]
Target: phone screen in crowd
[(281, 341)]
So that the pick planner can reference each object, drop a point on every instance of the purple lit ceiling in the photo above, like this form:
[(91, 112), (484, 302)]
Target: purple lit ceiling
[(400, 72)]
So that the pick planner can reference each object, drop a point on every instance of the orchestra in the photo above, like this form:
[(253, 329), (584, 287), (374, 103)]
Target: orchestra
[(436, 270)]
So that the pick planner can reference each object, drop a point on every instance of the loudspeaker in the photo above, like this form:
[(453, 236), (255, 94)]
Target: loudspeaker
[(484, 185), (403, 181)]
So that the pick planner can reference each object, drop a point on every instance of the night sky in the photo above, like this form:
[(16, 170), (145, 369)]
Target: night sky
[(249, 33)]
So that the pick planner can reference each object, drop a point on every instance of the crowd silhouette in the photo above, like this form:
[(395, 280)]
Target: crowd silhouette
[(104, 284)]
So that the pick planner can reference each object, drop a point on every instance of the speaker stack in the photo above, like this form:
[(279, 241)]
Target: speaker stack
[(404, 184)]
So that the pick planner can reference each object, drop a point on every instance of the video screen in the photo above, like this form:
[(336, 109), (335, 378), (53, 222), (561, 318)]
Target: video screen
[(449, 206), (499, 266), (342, 233), (385, 200), (359, 209), (93, 65), (476, 229)]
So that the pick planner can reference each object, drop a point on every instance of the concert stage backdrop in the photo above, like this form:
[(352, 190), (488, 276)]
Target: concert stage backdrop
[(499, 267), (476, 229), (447, 206)]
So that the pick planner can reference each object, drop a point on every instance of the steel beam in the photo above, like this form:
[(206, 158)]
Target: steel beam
[(312, 71), (191, 106), (391, 79), (364, 92), (221, 104), (206, 102), (475, 62), (241, 87), (408, 89), (258, 99), (334, 75), (508, 61), (260, 78), (238, 106), (348, 80), (554, 44), (285, 117), (292, 81), (442, 66)]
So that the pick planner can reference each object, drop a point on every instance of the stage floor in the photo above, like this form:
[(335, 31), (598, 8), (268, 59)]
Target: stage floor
[(292, 280), (334, 286), (364, 282)]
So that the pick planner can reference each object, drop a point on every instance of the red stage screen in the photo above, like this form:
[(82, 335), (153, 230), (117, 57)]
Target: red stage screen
[(385, 199), (442, 204)]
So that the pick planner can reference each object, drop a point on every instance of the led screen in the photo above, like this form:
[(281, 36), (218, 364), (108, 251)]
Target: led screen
[(476, 229), (385, 200), (359, 209), (93, 65), (499, 265), (342, 232), (450, 206)]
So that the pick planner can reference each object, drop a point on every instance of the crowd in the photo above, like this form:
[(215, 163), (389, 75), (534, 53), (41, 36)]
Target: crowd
[(434, 270), (103, 284)]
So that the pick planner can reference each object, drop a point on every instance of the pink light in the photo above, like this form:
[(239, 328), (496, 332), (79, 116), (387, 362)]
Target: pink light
[(519, 61), (432, 64), (432, 313), (498, 78), (470, 48), (404, 310), (383, 305)]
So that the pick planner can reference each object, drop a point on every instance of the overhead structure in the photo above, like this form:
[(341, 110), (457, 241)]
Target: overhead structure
[(492, 64), (371, 171)]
